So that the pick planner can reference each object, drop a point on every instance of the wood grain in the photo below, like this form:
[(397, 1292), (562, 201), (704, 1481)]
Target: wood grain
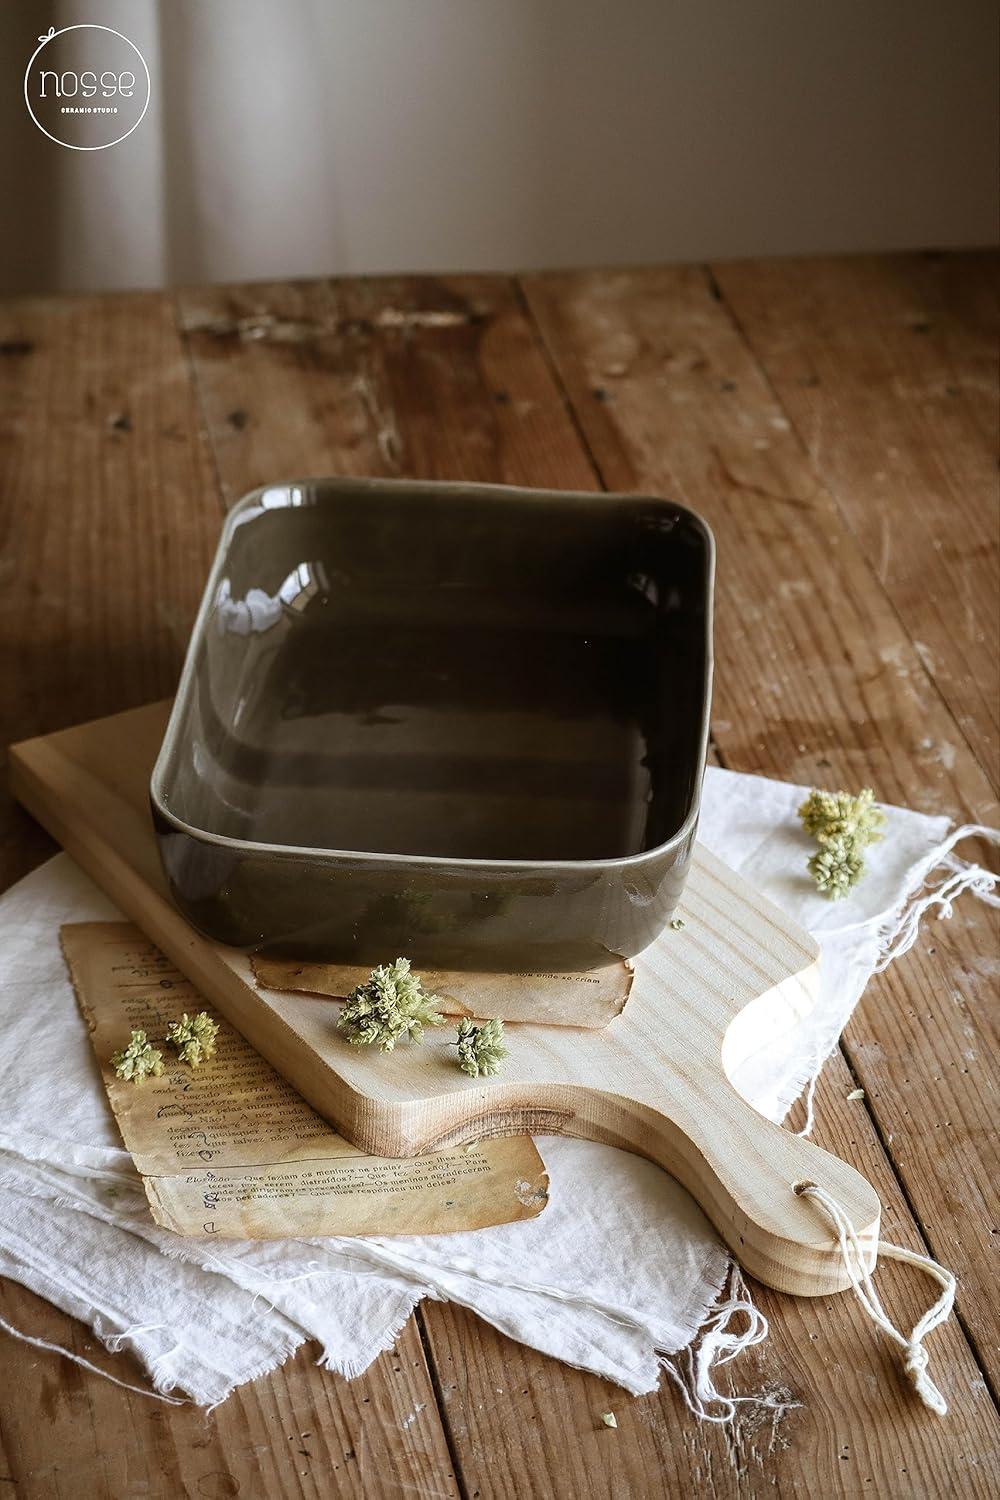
[(301, 1432), (817, 680), (516, 423), (885, 375), (924, 1045), (813, 663), (431, 379), (107, 518)]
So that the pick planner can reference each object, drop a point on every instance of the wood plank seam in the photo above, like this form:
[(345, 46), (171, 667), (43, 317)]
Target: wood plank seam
[(204, 434), (444, 1415), (926, 1238), (555, 375)]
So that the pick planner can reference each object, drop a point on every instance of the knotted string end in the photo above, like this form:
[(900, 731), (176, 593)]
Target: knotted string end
[(915, 1357)]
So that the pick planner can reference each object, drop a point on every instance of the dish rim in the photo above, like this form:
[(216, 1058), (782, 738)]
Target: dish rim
[(498, 492)]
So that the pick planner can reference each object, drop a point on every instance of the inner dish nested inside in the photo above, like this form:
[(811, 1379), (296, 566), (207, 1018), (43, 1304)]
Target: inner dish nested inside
[(467, 676)]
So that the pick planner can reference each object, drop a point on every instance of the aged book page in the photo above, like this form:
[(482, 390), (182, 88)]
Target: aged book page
[(591, 1000), (231, 1149)]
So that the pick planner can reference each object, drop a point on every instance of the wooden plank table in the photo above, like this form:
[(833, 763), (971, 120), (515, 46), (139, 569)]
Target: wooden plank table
[(836, 422)]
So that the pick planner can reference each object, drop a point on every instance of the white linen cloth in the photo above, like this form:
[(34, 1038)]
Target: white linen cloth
[(616, 1276)]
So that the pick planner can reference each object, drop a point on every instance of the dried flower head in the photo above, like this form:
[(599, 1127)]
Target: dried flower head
[(843, 825), (832, 816), (836, 868), (193, 1037), (390, 1004), (138, 1060), (481, 1049)]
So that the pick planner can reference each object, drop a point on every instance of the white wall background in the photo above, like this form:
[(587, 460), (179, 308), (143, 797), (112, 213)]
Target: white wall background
[(304, 137)]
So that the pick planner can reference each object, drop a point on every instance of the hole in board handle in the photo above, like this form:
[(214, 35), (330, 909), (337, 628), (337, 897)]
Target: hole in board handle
[(798, 1188)]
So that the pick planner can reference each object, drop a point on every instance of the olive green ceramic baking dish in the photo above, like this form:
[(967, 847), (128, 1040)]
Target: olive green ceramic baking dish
[(461, 723)]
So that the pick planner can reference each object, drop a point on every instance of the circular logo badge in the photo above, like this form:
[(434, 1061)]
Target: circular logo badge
[(86, 87)]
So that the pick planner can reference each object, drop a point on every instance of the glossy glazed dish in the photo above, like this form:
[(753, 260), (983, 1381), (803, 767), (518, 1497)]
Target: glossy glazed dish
[(462, 723)]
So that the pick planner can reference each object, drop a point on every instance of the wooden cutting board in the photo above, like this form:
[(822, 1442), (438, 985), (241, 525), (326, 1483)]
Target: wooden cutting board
[(654, 1081)]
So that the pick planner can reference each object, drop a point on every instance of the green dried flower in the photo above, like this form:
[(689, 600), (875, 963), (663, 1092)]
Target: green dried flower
[(843, 826), (481, 1049), (609, 1419), (836, 867), (832, 816), (193, 1037), (389, 1005), (138, 1060), (677, 924)]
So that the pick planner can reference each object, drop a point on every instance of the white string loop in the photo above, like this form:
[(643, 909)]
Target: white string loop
[(116, 1341), (915, 1356), (717, 1344)]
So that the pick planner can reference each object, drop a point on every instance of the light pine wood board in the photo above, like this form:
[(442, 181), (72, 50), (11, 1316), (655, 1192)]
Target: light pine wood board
[(653, 1081)]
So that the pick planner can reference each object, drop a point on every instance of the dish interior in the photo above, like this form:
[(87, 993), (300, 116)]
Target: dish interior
[(470, 674)]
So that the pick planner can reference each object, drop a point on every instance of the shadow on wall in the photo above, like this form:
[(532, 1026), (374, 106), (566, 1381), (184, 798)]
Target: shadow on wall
[(29, 166), (79, 219), (318, 136)]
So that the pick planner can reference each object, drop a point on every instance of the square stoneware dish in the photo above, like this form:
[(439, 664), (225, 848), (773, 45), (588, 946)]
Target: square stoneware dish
[(462, 723)]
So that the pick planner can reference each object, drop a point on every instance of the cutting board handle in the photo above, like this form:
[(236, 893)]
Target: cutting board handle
[(744, 1170)]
